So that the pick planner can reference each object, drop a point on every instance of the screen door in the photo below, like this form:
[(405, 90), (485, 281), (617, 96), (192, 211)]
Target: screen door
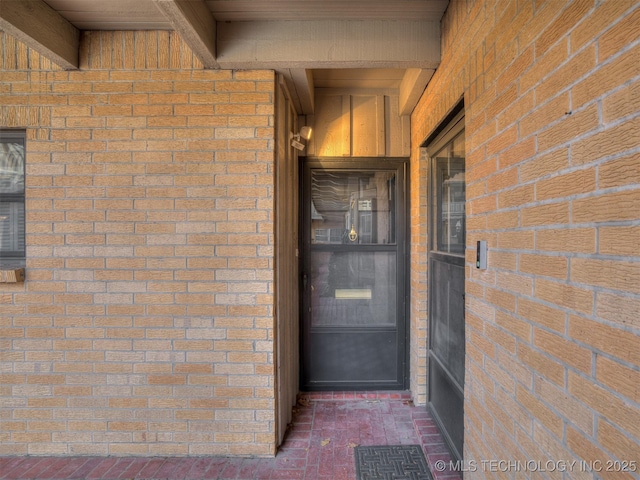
[(353, 279)]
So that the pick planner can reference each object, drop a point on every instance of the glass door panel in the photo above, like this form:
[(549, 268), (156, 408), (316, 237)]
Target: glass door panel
[(352, 208), (446, 293), (352, 289)]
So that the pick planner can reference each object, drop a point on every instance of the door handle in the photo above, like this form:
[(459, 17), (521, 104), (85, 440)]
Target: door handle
[(304, 281)]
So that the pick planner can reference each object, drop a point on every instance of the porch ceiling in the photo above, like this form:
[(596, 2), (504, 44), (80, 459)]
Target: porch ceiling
[(350, 44)]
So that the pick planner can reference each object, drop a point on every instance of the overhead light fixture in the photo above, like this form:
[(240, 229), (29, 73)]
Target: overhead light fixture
[(303, 134)]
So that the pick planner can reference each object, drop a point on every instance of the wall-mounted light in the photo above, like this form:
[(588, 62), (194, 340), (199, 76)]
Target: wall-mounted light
[(304, 134)]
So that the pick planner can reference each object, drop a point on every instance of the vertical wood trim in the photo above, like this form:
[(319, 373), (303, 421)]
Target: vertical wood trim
[(22, 56), (406, 135), (129, 50), (380, 126), (47, 64), (34, 60), (397, 133), (163, 49), (107, 46), (95, 50), (347, 126), (362, 124), (286, 262), (174, 51), (186, 55), (197, 63), (152, 49), (10, 52), (141, 50), (3, 39), (118, 40), (311, 147)]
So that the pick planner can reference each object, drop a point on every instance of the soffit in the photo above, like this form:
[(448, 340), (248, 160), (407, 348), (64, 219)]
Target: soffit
[(357, 44), (143, 14)]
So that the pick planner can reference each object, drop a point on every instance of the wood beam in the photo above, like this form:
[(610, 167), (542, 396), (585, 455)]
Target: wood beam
[(301, 88), (194, 22), (329, 44), (413, 83), (42, 29)]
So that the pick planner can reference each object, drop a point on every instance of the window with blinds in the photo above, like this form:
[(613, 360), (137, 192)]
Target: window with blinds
[(12, 194)]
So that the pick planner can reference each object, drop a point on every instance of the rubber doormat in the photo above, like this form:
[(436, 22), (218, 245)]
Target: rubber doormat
[(391, 462)]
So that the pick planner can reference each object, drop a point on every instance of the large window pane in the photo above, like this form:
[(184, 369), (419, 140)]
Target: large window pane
[(450, 197)]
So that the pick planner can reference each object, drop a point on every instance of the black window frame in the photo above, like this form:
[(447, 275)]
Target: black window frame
[(10, 257)]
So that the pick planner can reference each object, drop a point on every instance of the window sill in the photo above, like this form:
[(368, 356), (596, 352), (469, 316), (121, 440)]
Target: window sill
[(13, 275)]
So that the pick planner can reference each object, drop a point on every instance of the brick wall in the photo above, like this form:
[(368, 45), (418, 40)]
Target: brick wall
[(418, 296), (551, 91), (145, 325)]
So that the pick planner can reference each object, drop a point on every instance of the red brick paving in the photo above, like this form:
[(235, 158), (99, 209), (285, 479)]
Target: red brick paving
[(326, 428)]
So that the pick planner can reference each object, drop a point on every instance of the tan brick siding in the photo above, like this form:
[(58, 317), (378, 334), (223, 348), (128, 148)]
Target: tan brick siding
[(418, 238), (553, 151), (145, 326)]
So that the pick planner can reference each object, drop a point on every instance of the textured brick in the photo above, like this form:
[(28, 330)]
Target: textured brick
[(544, 265), (573, 183), (120, 213), (614, 275), (567, 351), (516, 197), (617, 308), (612, 340), (619, 172), (579, 240), (605, 403), (563, 23), (621, 379), (565, 295), (624, 33), (607, 78), (615, 140), (621, 205), (546, 214), (537, 409)]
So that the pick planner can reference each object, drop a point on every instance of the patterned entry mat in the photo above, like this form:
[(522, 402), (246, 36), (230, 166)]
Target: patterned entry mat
[(391, 462)]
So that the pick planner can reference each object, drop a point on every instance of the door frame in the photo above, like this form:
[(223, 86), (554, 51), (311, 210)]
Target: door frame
[(286, 264), (401, 165)]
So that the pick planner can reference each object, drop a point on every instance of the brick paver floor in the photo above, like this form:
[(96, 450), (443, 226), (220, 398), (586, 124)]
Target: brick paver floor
[(319, 445)]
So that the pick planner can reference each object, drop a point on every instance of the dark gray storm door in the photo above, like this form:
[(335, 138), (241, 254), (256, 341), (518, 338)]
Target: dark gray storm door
[(353, 279), (446, 333)]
